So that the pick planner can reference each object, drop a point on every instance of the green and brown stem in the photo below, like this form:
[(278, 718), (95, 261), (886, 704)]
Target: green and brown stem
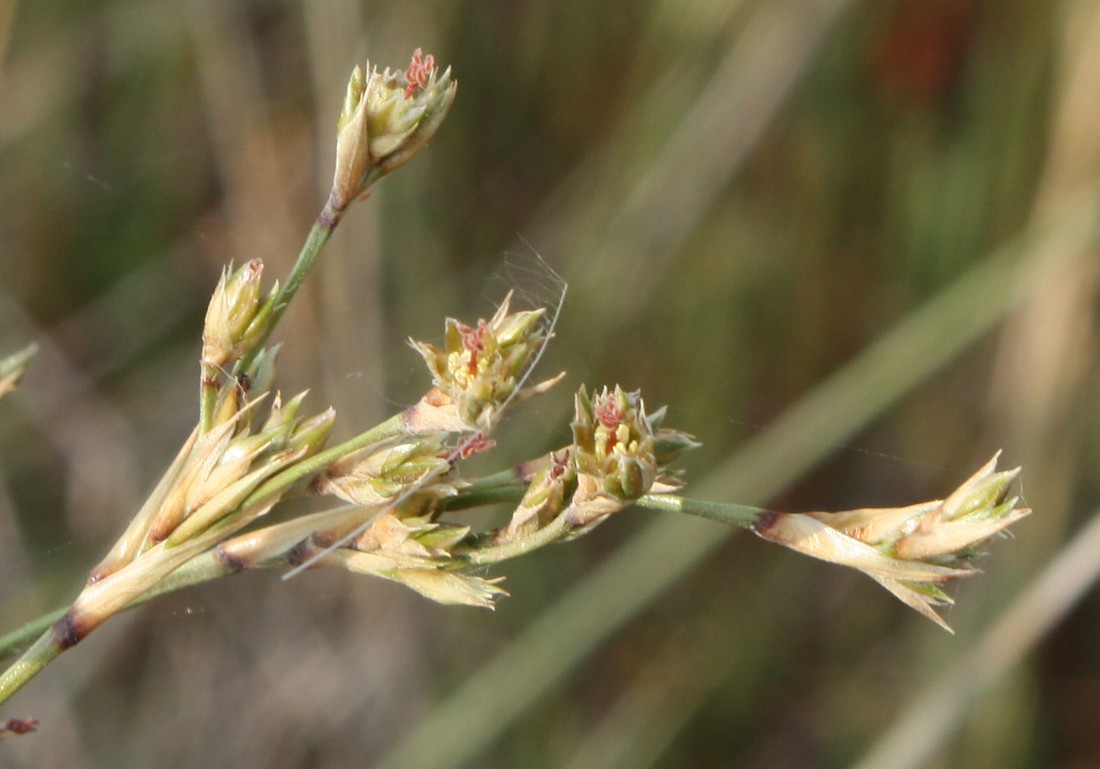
[(166, 569), (210, 376)]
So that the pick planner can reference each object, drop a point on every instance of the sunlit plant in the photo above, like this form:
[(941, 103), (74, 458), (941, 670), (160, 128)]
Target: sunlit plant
[(393, 485)]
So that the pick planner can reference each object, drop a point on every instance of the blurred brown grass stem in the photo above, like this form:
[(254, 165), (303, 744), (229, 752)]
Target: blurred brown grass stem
[(932, 716), (489, 701)]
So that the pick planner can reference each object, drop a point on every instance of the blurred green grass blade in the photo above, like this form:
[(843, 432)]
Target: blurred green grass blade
[(471, 718), (936, 712)]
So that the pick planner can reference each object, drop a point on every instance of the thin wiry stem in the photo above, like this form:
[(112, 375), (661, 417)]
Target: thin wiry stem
[(322, 230)]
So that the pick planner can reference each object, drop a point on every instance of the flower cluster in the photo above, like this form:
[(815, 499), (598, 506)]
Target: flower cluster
[(394, 484), (910, 550), (387, 118), (480, 370)]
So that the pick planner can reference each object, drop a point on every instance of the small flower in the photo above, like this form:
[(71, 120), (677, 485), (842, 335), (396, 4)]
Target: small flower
[(236, 316), (479, 370), (910, 550), (613, 452), (386, 119), (375, 475), (544, 499), (614, 442), (415, 552)]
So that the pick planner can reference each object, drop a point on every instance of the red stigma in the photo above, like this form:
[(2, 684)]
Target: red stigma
[(609, 414), (469, 447), (473, 339), (560, 463), (419, 71)]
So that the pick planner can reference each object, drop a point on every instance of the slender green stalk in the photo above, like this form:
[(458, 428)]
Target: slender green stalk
[(555, 531), (722, 512), (322, 230), (208, 396), (24, 635), (504, 487), (41, 653), (204, 567)]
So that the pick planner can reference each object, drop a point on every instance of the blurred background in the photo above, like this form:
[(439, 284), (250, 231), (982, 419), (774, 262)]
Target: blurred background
[(851, 244)]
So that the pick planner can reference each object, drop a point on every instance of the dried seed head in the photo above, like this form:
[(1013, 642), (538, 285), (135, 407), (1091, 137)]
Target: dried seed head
[(910, 550)]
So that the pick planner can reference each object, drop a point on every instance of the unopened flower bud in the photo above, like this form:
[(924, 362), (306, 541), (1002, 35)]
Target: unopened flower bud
[(310, 435), (424, 576), (543, 500), (236, 315)]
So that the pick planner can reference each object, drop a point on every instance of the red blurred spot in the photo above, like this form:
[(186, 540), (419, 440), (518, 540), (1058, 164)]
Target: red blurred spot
[(922, 53), (20, 726)]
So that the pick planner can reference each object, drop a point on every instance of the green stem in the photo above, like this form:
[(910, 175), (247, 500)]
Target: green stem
[(22, 636), (202, 568), (495, 489), (555, 531), (722, 512), (40, 654), (208, 396), (501, 487), (322, 230)]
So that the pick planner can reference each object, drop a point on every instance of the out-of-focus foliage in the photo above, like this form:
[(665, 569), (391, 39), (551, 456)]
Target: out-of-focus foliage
[(743, 196)]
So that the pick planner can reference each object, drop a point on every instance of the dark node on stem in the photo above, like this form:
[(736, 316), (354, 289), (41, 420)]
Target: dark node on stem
[(297, 555), (525, 471), (234, 563), (327, 220), (765, 522), (67, 632)]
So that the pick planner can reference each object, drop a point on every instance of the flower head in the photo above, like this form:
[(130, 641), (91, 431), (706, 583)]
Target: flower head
[(480, 369), (237, 315), (909, 550), (613, 452), (387, 117)]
